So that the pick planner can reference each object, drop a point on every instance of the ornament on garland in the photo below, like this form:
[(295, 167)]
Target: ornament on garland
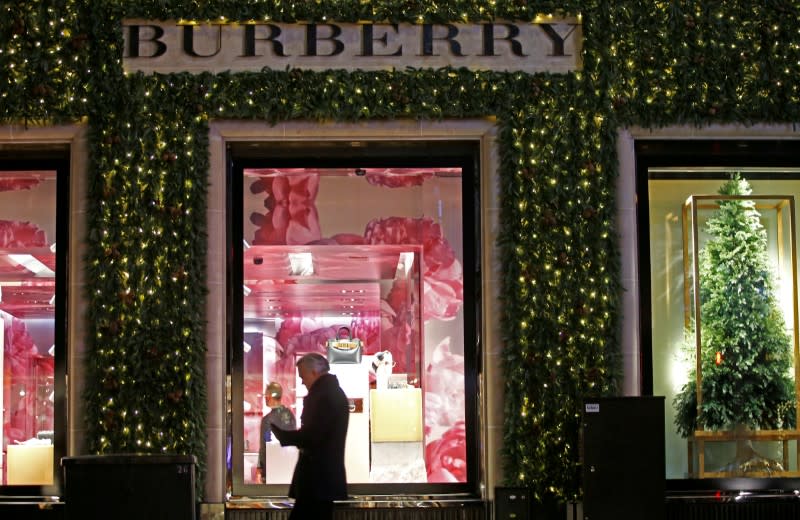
[(112, 139), (549, 218), (175, 396), (42, 90), (18, 27), (126, 298), (78, 42)]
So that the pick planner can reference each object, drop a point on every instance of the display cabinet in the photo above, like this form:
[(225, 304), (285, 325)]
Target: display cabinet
[(741, 319)]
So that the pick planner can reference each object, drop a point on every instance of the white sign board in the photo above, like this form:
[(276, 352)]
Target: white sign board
[(545, 45)]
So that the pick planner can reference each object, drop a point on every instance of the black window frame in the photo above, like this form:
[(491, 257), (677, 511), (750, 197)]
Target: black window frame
[(360, 154), (55, 158), (706, 153)]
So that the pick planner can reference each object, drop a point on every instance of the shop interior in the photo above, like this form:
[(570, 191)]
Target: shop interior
[(366, 255)]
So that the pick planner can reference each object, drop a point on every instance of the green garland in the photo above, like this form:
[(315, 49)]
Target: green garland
[(645, 63)]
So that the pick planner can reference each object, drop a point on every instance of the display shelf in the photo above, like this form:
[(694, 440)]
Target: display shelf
[(700, 438)]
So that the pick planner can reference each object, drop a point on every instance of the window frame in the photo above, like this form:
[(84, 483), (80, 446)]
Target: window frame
[(363, 153), (57, 158), (723, 153)]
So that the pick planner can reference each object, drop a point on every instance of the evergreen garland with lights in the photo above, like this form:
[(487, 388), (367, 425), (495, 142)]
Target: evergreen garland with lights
[(645, 64)]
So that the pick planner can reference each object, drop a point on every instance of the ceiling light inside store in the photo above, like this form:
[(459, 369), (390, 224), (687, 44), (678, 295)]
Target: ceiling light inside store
[(301, 264), (32, 264)]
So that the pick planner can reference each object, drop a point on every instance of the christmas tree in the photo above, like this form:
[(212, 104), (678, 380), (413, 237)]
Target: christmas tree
[(746, 352)]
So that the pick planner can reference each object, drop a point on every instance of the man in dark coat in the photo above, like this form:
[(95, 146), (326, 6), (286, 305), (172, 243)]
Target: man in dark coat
[(319, 475)]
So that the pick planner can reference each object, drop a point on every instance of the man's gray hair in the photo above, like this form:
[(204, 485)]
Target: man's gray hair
[(314, 362)]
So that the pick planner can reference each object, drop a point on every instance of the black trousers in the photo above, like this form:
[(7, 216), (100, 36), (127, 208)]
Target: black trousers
[(312, 510)]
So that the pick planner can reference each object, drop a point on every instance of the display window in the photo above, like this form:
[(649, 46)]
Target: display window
[(31, 309), (368, 261), (718, 243)]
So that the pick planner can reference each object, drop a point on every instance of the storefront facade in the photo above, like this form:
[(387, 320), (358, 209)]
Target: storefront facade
[(485, 219)]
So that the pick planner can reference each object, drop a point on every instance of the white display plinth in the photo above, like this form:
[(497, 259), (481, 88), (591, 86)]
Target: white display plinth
[(354, 380), (396, 415), (280, 462)]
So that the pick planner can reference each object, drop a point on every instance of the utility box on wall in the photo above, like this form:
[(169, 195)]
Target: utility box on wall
[(623, 458), (127, 487)]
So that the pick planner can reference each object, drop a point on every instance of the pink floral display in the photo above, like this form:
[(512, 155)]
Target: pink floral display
[(19, 353), (394, 178), (297, 336), (446, 457), (397, 334), (16, 183), (444, 412), (442, 274), (21, 234), (291, 217), (444, 383)]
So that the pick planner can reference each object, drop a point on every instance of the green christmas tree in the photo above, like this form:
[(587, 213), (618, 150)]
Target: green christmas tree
[(745, 348)]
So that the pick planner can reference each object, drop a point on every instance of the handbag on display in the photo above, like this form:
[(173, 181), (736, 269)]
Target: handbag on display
[(344, 349)]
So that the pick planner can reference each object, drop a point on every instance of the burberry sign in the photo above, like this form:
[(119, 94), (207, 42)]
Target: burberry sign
[(546, 45)]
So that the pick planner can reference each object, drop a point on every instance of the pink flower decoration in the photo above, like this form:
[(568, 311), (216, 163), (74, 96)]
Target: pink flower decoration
[(397, 178), (252, 395), (19, 353), (442, 274), (368, 330), (446, 458), (444, 388), (19, 349), (292, 217), (21, 234), (15, 184), (298, 336)]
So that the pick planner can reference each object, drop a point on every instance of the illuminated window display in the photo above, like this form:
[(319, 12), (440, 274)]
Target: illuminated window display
[(368, 256), (27, 311), (728, 262)]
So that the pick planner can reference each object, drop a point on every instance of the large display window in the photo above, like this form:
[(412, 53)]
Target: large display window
[(32, 316), (373, 250), (718, 251)]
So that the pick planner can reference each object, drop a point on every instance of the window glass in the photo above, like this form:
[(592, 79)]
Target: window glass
[(27, 311), (723, 282), (373, 255)]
